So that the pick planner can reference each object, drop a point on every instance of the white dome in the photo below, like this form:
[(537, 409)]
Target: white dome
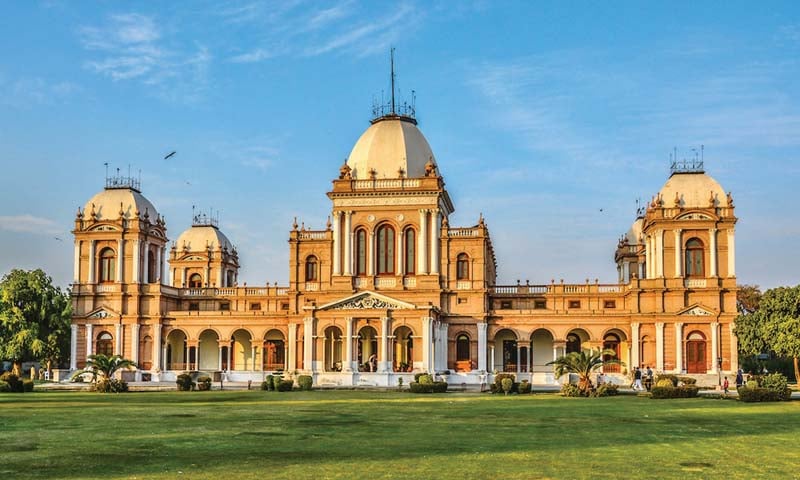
[(389, 144), (694, 190), (199, 237), (635, 233), (107, 203)]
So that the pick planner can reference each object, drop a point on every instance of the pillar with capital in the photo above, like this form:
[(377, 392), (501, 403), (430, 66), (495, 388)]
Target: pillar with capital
[(659, 346), (89, 340), (157, 346), (436, 222), (73, 347), (92, 270), (120, 259), (422, 264), (678, 255), (309, 334), (732, 253), (482, 331), (679, 347), (292, 356), (348, 350), (384, 363), (118, 340), (714, 346), (337, 243), (427, 344), (712, 236), (635, 360), (348, 244), (734, 347)]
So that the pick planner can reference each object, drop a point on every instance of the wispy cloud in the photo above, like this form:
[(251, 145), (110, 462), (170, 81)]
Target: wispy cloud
[(132, 47), (27, 92), (27, 223), (254, 56)]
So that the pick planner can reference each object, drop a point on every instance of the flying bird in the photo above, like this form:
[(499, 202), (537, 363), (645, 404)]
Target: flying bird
[(58, 239), (171, 154)]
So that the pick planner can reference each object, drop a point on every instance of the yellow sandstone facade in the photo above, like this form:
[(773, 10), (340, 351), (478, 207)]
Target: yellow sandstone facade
[(389, 287)]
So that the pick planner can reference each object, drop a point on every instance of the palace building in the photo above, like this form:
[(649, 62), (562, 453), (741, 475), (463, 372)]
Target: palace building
[(390, 279)]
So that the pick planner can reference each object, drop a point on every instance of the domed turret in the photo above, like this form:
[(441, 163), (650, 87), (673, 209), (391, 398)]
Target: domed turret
[(203, 256), (202, 237), (692, 190), (113, 203), (391, 147)]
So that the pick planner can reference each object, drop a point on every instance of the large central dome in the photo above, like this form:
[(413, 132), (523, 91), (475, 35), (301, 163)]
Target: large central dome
[(391, 143)]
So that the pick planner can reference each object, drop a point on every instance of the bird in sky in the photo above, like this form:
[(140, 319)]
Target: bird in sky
[(58, 239), (170, 154)]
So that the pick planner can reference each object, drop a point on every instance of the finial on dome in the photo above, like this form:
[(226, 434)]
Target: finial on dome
[(430, 168), (730, 200), (401, 172), (146, 213), (328, 223), (94, 213), (677, 199), (79, 215), (372, 173), (445, 222), (711, 199), (121, 210), (345, 172), (480, 220), (294, 225)]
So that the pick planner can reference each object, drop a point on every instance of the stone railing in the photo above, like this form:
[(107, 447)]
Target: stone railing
[(463, 285), (385, 282), (232, 292), (312, 286), (410, 282), (695, 283), (557, 288), (386, 184), (463, 232), (313, 234), (360, 282)]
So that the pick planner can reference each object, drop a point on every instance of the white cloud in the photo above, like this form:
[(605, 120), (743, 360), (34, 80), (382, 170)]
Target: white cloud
[(26, 92), (256, 55), (27, 223)]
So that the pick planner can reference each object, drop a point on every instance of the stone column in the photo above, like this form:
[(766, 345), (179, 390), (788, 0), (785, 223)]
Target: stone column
[(678, 256), (348, 348), (371, 260), (77, 265), (401, 267), (92, 255), (146, 269), (734, 361), (337, 243), (157, 265), (120, 258), (308, 343), (648, 257), (89, 340), (135, 343), (137, 254), (157, 358), (714, 346), (491, 358), (659, 346), (635, 361), (162, 270), (427, 344), (291, 358), (660, 253), (712, 235), (732, 257), (206, 276), (519, 358), (443, 342), (482, 346), (679, 347), (118, 340), (383, 364), (422, 265), (219, 354), (626, 272), (435, 233), (183, 277), (348, 245), (73, 347), (220, 277)]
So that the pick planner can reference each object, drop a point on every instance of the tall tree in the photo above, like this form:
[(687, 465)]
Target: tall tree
[(34, 318), (774, 326), (748, 297)]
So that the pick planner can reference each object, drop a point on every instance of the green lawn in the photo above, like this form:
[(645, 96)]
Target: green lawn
[(347, 434)]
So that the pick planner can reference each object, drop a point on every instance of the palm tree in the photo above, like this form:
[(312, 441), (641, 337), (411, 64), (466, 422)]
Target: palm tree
[(583, 363), (105, 367)]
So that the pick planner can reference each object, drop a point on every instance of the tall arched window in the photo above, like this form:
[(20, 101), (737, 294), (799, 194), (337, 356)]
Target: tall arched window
[(105, 346), (311, 268), (151, 267), (573, 343), (361, 252), (385, 250), (695, 264), (462, 348), (107, 265), (462, 266), (195, 281), (411, 250)]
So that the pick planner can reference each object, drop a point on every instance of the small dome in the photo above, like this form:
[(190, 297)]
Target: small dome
[(635, 233), (199, 237), (693, 190), (107, 204), (391, 143)]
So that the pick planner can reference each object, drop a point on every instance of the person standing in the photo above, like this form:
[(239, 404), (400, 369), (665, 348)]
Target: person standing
[(725, 386), (739, 379), (637, 380)]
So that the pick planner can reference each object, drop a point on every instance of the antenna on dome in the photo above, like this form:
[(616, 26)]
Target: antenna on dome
[(391, 61)]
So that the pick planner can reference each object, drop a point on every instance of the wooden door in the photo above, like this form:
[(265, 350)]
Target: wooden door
[(696, 356)]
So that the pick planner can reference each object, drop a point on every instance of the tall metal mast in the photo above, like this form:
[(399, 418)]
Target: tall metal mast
[(392, 63)]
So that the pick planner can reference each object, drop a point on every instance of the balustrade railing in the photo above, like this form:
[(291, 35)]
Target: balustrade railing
[(386, 183), (463, 232), (695, 283), (313, 235), (410, 282), (385, 282), (231, 292), (463, 285)]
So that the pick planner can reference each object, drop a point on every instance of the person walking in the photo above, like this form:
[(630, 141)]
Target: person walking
[(725, 386), (637, 380), (739, 379)]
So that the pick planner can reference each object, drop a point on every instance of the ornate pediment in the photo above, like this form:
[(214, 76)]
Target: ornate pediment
[(697, 311), (102, 313), (367, 301)]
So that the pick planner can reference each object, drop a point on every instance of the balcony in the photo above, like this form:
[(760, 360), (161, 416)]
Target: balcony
[(695, 283), (463, 285)]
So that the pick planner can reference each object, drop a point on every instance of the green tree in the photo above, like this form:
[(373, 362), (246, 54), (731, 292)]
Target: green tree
[(774, 326), (34, 319), (104, 366), (748, 297), (584, 363)]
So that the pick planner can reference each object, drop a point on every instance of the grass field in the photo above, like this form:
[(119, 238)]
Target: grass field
[(347, 434)]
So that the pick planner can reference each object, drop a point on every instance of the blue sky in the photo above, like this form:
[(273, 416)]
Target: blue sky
[(540, 115)]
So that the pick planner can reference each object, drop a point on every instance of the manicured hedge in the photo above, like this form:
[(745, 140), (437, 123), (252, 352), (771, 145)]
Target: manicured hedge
[(758, 394), (204, 383), (435, 387), (4, 387), (185, 383), (13, 381), (525, 387), (305, 382), (686, 391), (285, 385)]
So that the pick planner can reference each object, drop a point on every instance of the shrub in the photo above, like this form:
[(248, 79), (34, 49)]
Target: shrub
[(525, 387), (439, 387), (774, 381), (110, 385), (751, 384), (673, 379), (417, 375), (497, 386), (267, 383), (4, 387), (27, 385), (13, 381), (687, 380), (606, 390), (276, 381), (285, 386), (185, 383), (305, 382), (665, 382), (686, 391), (204, 383), (757, 394), (416, 387), (507, 383), (425, 379), (570, 390)]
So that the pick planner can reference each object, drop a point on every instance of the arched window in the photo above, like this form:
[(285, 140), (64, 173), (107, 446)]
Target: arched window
[(195, 281), (385, 250), (311, 269), (151, 267), (573, 343), (411, 251), (361, 252), (462, 267), (230, 278), (105, 345), (462, 348), (107, 265), (695, 265)]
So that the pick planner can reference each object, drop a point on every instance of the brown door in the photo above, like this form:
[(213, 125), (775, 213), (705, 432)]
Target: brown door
[(696, 356)]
